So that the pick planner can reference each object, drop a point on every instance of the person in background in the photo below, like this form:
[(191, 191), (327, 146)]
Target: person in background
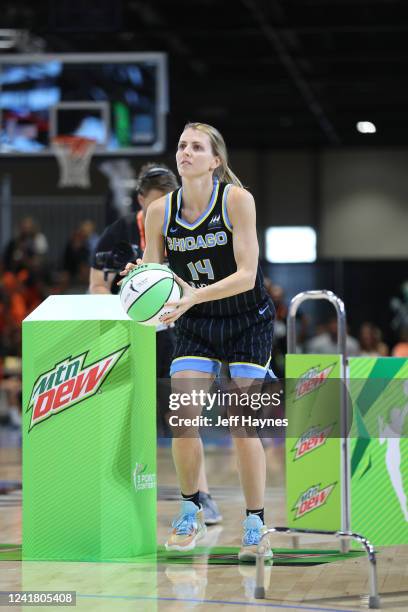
[(28, 249), (326, 342), (279, 334), (10, 392), (370, 338), (78, 251), (401, 348)]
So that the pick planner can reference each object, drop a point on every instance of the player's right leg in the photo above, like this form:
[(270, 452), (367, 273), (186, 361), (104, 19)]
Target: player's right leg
[(249, 358), (189, 526)]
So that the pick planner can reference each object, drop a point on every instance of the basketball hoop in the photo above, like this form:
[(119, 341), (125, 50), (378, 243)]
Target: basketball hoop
[(74, 154)]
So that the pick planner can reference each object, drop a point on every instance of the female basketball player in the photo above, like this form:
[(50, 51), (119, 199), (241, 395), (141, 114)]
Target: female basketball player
[(224, 315), (154, 180)]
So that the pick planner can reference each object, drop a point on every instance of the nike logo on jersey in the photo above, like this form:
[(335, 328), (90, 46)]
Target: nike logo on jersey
[(263, 310), (173, 230)]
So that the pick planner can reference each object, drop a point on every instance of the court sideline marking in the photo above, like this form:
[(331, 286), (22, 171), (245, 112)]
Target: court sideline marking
[(216, 601)]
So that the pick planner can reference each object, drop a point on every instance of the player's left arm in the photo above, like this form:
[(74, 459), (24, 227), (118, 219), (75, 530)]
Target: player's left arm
[(241, 212)]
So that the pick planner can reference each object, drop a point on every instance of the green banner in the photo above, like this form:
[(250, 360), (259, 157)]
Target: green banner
[(313, 403), (379, 449), (89, 439)]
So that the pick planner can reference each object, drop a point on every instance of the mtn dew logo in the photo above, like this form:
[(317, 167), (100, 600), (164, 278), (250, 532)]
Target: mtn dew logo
[(142, 479), (68, 383), (310, 500), (312, 439), (312, 380)]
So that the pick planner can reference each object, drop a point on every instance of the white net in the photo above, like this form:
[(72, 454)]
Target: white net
[(74, 154)]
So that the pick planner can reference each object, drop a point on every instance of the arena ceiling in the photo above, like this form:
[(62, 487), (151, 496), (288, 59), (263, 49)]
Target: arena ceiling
[(268, 73)]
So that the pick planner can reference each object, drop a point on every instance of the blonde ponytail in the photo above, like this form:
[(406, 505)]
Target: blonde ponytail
[(226, 175), (223, 172)]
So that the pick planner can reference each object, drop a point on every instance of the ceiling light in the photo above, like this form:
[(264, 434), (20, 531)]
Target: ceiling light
[(290, 244), (366, 127), (8, 38)]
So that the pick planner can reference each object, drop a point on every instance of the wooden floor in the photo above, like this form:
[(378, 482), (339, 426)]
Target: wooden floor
[(114, 586)]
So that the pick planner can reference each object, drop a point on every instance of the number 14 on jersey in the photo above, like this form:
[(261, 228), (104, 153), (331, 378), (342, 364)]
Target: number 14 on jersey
[(201, 267)]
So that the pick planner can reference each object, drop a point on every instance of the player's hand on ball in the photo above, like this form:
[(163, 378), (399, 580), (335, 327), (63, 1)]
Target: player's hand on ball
[(188, 300), (128, 268)]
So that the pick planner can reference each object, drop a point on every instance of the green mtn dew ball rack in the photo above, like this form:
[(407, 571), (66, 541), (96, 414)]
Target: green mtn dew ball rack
[(347, 438), (89, 432), (338, 484)]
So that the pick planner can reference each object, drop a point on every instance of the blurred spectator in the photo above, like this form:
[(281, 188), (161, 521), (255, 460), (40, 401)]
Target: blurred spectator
[(20, 293), (28, 249), (10, 392), (89, 229), (279, 336), (277, 295), (326, 342), (78, 251), (401, 348), (61, 283), (400, 306), (21, 290), (11, 344), (370, 338)]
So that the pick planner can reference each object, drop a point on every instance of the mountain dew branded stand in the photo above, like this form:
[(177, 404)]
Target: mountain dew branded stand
[(317, 449), (346, 448), (89, 432), (378, 390), (346, 438), (317, 463)]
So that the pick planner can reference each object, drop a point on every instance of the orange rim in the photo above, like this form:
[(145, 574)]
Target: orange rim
[(77, 146)]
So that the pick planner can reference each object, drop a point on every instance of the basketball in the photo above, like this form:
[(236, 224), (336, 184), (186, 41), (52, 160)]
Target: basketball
[(145, 290)]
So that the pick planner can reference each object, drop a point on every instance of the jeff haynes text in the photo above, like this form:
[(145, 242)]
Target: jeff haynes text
[(231, 421)]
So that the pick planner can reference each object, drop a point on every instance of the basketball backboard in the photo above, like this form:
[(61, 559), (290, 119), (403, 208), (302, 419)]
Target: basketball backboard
[(118, 99)]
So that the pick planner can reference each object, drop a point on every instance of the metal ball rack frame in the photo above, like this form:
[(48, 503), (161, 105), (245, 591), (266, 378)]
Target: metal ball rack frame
[(373, 598)]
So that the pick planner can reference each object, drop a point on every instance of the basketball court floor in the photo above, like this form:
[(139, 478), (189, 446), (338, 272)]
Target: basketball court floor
[(211, 579)]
